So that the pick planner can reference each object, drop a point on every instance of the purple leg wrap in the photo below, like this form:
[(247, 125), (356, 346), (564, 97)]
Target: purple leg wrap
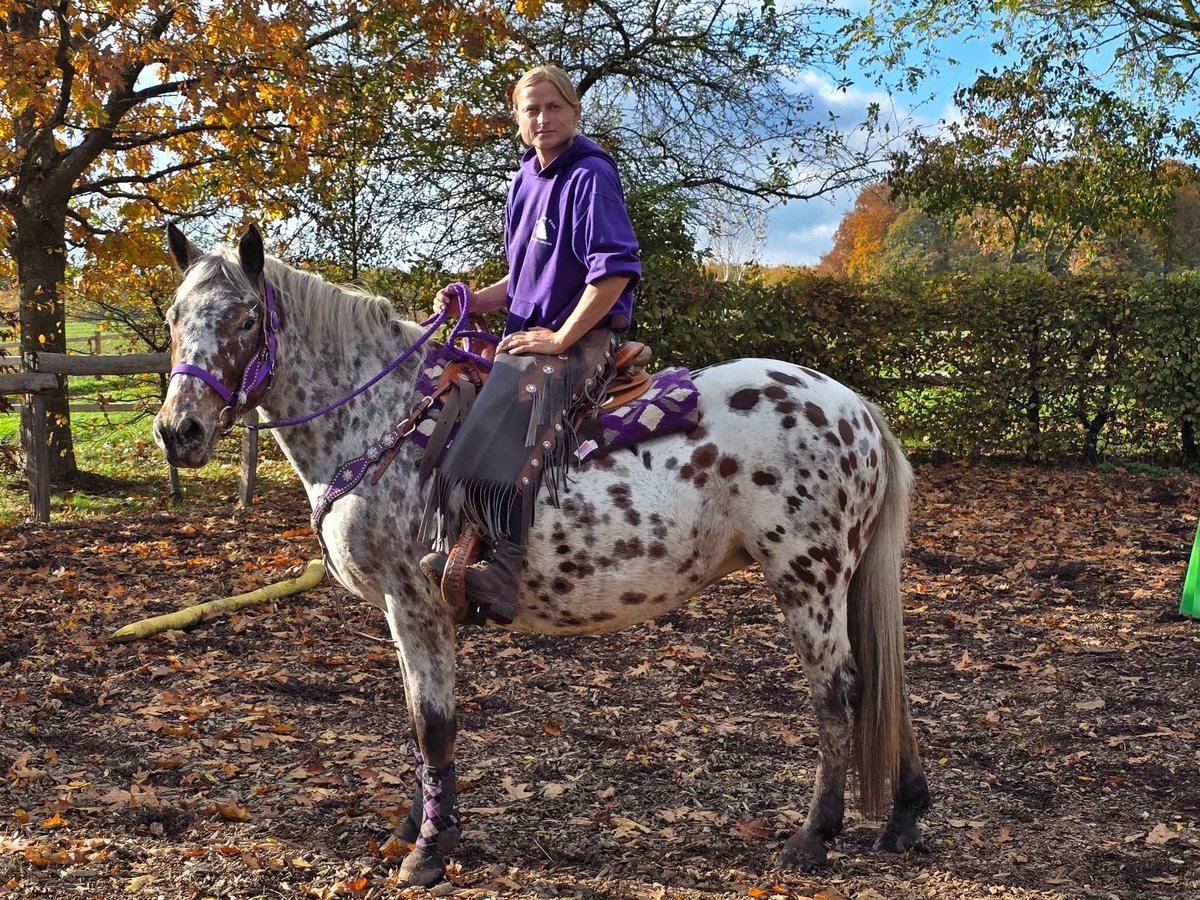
[(441, 825)]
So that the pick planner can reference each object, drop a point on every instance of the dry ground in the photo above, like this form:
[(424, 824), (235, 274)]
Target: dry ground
[(1056, 697)]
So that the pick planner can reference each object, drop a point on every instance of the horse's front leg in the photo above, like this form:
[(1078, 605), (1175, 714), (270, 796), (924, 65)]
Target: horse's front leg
[(424, 639)]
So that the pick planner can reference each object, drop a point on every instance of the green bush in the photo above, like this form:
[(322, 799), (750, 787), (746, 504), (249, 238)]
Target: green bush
[(1016, 362)]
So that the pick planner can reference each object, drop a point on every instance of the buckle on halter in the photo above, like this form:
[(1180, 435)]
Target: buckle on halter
[(226, 424)]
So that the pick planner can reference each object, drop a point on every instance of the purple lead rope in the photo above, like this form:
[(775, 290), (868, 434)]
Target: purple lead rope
[(434, 322)]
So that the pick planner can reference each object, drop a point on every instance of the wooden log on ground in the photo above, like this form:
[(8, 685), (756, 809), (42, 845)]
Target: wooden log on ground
[(190, 616), (122, 364), (37, 457), (249, 473)]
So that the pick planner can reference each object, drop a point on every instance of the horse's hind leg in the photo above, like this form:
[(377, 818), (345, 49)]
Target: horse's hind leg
[(425, 644), (910, 801), (816, 620)]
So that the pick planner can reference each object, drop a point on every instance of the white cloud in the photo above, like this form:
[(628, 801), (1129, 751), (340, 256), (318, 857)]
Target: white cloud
[(800, 233)]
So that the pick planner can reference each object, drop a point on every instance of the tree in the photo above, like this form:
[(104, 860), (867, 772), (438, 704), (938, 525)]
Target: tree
[(703, 99), (915, 241), (115, 117), (858, 243), (1039, 162), (735, 239), (1183, 249)]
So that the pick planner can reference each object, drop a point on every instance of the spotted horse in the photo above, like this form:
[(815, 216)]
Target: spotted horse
[(788, 469)]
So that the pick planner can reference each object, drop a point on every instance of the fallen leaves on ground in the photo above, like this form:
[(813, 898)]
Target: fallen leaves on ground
[(266, 753)]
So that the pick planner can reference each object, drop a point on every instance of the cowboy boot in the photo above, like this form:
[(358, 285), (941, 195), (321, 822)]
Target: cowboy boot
[(492, 584)]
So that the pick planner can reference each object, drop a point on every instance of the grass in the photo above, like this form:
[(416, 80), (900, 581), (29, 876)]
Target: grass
[(125, 471)]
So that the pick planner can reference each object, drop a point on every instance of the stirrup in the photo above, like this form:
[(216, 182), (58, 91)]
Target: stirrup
[(454, 578)]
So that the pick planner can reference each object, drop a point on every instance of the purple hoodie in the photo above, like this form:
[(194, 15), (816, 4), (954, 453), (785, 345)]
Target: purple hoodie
[(565, 226)]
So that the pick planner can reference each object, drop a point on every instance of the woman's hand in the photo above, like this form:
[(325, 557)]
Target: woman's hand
[(535, 340), (446, 299)]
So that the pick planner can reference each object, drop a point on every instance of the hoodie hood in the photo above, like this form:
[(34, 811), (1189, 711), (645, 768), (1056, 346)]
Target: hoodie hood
[(580, 148)]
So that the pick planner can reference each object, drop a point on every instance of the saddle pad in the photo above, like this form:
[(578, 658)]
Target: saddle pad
[(670, 404)]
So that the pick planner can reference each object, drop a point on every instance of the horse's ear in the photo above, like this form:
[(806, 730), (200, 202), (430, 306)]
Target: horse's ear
[(183, 251), (250, 252)]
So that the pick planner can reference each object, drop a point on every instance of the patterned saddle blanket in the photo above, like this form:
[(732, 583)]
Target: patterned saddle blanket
[(670, 403)]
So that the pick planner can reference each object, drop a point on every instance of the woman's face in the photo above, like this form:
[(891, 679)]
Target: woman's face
[(546, 120)]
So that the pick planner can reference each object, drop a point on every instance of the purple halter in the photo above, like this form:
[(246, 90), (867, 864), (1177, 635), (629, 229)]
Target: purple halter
[(258, 370)]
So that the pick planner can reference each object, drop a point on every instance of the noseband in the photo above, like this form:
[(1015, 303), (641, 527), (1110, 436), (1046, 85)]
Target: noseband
[(259, 370)]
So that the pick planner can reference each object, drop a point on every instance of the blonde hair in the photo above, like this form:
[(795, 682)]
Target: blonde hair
[(552, 74)]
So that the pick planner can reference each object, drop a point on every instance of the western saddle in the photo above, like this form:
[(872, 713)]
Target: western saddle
[(457, 388)]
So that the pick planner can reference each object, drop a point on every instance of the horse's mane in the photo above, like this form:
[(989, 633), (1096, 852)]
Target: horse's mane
[(331, 315)]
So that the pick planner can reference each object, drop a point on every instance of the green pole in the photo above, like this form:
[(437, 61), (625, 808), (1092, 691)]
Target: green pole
[(1189, 605)]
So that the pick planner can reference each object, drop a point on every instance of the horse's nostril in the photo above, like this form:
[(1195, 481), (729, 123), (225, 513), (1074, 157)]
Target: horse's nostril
[(191, 431)]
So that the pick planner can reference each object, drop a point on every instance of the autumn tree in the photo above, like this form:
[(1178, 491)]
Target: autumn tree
[(703, 100), (114, 118), (858, 243), (1040, 161)]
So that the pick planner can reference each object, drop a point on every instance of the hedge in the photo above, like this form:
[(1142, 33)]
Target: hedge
[(1015, 362)]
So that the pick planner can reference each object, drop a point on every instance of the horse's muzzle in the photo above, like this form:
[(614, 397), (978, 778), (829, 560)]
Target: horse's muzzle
[(185, 442)]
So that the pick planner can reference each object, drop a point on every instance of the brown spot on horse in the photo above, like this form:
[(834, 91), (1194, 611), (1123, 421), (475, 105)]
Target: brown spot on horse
[(744, 400)]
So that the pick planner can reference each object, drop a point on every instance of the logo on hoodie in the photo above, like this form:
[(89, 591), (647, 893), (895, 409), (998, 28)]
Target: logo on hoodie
[(543, 230)]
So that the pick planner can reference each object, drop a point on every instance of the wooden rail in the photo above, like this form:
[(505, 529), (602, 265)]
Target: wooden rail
[(123, 364), (94, 342)]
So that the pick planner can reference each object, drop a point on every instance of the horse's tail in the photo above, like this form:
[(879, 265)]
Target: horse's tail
[(876, 626)]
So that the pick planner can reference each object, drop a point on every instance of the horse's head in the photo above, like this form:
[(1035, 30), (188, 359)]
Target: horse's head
[(222, 328)]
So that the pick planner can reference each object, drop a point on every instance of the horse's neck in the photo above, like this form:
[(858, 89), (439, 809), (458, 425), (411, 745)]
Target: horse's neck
[(311, 375)]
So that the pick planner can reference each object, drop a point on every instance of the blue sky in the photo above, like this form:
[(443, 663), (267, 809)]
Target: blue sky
[(800, 232)]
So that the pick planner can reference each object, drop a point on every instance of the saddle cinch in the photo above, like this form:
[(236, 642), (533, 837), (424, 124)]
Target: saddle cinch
[(457, 389)]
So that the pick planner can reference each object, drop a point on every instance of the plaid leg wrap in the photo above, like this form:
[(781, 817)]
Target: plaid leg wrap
[(441, 826)]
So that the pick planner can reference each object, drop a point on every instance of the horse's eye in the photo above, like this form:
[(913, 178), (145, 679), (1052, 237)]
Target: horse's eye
[(249, 323)]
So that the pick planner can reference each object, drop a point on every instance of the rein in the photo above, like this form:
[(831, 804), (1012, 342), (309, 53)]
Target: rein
[(261, 367)]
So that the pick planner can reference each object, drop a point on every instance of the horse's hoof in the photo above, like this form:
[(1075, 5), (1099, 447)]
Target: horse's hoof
[(422, 869), (805, 852), (900, 840)]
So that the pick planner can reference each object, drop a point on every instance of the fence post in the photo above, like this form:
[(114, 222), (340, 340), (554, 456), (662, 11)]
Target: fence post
[(173, 482), (37, 456), (249, 460)]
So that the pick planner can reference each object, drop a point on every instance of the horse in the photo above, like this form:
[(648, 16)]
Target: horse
[(788, 469)]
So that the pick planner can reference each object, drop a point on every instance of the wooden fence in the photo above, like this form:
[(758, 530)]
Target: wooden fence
[(10, 351), (43, 376)]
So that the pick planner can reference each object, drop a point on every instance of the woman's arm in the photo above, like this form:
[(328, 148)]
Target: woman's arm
[(597, 302), (494, 296)]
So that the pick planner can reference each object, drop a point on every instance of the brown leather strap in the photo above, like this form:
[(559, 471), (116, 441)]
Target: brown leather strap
[(405, 428), (441, 434), (454, 579)]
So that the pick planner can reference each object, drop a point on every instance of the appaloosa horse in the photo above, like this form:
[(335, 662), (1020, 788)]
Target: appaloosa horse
[(788, 469)]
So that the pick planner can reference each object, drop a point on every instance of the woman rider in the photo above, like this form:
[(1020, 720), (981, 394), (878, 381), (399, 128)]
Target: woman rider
[(573, 264)]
